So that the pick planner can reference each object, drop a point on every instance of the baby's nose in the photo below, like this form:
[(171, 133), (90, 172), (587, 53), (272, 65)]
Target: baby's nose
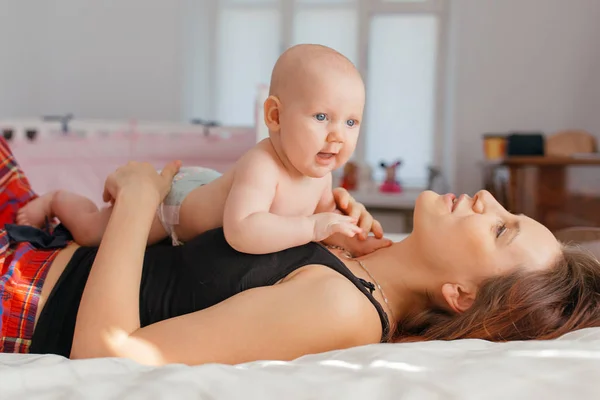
[(335, 134)]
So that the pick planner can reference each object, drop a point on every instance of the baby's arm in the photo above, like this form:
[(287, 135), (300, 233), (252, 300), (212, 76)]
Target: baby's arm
[(247, 222), (327, 204), (249, 225)]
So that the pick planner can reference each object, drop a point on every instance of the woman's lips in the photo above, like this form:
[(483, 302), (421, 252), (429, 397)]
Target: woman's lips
[(449, 199)]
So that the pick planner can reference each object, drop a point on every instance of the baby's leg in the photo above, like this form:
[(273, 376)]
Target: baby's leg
[(77, 213), (36, 211), (81, 217), (86, 223)]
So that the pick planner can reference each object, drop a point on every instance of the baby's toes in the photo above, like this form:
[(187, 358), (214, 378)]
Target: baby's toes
[(21, 218)]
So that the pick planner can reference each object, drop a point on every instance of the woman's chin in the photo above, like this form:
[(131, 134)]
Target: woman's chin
[(426, 200), (429, 211)]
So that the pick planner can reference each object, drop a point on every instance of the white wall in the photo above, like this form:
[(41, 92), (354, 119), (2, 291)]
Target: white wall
[(515, 64), (521, 65), (197, 48), (93, 58), (18, 56)]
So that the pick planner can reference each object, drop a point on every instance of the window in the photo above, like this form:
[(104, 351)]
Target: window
[(335, 27), (247, 48), (325, 2), (247, 2), (395, 44), (400, 92)]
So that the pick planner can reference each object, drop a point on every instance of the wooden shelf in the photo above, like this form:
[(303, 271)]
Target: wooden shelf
[(547, 160), (544, 195)]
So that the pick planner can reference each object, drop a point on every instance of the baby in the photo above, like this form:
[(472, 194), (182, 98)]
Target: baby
[(279, 194)]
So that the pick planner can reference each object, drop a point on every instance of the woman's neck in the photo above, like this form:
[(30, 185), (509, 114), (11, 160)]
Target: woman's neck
[(403, 277)]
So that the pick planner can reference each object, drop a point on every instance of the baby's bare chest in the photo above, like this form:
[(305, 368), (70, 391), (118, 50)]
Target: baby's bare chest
[(297, 199)]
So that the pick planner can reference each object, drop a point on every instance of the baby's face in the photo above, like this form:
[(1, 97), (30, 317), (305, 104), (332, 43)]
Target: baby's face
[(320, 121)]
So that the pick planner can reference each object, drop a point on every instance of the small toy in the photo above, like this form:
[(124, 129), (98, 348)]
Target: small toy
[(390, 185), (350, 177)]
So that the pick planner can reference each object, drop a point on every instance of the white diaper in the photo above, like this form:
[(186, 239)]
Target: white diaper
[(186, 180)]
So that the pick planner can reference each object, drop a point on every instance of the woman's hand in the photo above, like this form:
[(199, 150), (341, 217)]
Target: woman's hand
[(349, 206), (359, 248), (140, 178)]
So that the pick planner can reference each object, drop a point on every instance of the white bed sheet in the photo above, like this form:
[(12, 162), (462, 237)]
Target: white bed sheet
[(465, 369)]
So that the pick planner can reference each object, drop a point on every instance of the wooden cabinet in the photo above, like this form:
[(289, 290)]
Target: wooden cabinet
[(538, 187)]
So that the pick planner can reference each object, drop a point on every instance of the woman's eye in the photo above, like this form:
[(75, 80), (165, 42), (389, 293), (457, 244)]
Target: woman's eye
[(351, 122), (320, 117), (500, 229)]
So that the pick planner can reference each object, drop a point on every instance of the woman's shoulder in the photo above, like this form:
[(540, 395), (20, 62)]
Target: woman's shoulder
[(339, 301)]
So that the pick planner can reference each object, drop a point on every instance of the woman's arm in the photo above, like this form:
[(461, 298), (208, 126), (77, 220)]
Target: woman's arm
[(308, 314), (111, 296)]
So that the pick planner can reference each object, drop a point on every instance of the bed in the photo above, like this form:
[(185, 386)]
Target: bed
[(80, 160), (465, 369)]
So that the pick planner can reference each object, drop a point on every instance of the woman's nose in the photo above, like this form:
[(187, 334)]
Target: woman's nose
[(485, 200), (485, 196), (478, 205)]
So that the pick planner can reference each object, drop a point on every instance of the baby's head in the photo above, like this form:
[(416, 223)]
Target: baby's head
[(314, 110)]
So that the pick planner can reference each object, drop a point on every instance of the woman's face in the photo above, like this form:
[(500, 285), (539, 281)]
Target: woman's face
[(471, 239)]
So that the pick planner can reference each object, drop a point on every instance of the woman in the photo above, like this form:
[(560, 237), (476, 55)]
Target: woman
[(470, 269), (33, 268)]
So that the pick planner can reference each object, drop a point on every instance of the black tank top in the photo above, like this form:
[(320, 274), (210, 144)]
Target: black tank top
[(183, 279)]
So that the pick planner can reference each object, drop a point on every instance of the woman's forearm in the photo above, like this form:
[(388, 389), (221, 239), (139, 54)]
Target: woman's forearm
[(110, 302)]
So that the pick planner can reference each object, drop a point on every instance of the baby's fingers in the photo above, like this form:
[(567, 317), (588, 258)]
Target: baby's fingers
[(347, 228)]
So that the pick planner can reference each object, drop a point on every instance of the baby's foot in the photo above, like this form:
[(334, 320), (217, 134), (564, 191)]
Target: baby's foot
[(35, 212)]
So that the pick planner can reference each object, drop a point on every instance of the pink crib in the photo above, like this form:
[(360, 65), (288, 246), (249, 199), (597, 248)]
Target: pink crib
[(80, 164)]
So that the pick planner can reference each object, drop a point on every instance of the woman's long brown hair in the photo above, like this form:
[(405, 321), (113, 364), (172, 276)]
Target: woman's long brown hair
[(521, 305)]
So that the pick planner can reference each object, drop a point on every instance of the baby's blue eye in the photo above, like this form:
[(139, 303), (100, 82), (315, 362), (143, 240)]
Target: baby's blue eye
[(320, 117), (351, 122)]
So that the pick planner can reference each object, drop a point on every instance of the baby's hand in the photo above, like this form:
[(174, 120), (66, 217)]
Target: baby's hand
[(328, 223), (349, 206)]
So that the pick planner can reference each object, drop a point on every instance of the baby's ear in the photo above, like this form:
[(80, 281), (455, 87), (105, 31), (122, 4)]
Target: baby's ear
[(272, 107)]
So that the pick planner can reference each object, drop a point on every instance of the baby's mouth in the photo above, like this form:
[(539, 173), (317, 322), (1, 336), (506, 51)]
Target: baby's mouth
[(326, 155)]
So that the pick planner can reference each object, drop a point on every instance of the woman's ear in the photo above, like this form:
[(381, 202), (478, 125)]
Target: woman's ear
[(458, 297), (272, 107)]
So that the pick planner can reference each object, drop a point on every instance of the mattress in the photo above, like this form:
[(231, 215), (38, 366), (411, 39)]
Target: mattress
[(462, 369), (466, 369)]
